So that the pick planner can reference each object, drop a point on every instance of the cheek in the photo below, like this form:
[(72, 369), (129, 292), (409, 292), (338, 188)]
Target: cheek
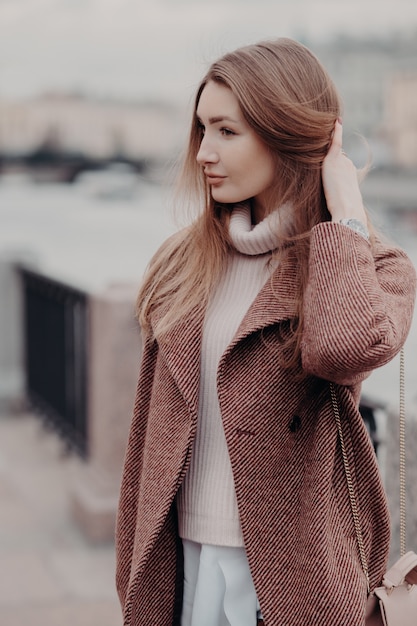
[(268, 168), (261, 172)]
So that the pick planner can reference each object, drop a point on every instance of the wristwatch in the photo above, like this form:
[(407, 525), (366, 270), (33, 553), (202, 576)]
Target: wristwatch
[(356, 225)]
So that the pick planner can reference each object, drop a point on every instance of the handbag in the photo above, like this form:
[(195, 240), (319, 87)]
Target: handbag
[(394, 602)]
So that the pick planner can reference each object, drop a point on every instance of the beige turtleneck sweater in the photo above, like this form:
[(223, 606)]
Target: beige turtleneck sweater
[(206, 501)]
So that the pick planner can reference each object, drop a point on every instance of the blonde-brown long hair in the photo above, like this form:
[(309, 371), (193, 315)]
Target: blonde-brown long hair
[(288, 98)]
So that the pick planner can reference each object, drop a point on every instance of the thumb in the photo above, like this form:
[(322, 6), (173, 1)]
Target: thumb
[(337, 139)]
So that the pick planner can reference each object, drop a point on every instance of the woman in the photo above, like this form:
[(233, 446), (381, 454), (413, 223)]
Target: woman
[(234, 507)]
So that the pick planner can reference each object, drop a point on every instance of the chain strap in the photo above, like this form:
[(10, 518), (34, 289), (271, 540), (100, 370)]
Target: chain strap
[(403, 528), (351, 489), (349, 480)]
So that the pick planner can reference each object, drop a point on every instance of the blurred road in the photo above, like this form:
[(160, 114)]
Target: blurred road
[(73, 235), (49, 574)]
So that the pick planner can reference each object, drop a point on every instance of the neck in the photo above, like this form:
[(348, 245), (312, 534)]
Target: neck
[(258, 211)]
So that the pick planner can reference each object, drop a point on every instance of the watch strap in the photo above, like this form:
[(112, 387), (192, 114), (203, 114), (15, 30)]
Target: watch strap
[(356, 225)]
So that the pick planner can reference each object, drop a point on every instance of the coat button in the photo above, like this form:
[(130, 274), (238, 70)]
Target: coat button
[(295, 424)]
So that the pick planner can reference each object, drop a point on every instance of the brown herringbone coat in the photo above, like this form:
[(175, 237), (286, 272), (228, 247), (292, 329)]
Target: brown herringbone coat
[(282, 439)]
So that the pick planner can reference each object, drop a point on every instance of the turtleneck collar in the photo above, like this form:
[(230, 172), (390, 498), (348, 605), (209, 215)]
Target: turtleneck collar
[(254, 239)]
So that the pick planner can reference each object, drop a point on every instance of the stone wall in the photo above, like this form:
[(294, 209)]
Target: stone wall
[(113, 366)]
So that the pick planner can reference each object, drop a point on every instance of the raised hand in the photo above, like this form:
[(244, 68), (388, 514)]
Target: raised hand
[(340, 182)]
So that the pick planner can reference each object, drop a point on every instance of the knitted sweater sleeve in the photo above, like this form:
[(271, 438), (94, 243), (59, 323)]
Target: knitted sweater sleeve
[(358, 304)]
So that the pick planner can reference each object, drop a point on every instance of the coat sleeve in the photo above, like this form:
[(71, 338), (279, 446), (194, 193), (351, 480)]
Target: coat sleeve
[(358, 304)]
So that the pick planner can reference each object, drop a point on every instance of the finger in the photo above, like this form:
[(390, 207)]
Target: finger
[(337, 140)]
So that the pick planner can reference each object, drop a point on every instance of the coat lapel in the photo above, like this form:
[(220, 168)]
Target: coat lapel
[(181, 346), (275, 302)]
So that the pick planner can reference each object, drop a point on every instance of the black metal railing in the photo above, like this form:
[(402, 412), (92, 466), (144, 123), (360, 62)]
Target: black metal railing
[(56, 329)]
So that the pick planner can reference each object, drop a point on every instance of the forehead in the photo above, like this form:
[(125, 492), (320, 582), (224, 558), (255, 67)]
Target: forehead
[(218, 100)]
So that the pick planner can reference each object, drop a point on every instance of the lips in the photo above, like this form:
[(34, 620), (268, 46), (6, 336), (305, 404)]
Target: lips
[(214, 179)]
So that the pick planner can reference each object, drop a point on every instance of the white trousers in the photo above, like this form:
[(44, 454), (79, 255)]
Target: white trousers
[(218, 587)]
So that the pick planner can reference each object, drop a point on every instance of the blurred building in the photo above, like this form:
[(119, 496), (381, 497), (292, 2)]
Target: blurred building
[(401, 117), (94, 128), (377, 81)]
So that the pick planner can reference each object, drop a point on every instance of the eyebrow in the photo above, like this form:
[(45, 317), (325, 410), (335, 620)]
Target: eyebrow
[(218, 118)]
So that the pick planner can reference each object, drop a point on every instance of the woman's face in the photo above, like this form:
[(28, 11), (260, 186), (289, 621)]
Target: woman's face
[(236, 162)]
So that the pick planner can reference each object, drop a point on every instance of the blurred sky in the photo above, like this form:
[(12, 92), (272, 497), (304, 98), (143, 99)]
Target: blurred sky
[(160, 48)]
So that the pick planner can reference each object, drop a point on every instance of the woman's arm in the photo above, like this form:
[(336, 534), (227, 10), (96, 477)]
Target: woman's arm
[(358, 304), (359, 299)]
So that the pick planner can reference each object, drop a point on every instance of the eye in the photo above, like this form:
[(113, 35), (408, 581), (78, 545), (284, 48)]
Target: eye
[(201, 129), (226, 132)]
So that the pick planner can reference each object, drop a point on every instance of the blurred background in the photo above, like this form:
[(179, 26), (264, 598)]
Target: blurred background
[(95, 97)]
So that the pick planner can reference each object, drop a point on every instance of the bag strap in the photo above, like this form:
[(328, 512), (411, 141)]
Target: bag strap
[(403, 510), (352, 496)]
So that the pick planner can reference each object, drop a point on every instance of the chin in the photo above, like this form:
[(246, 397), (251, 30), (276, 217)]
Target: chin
[(225, 198)]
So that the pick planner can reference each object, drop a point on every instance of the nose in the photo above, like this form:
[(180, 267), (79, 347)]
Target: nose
[(206, 152)]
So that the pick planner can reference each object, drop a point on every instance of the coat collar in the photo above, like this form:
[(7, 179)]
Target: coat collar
[(181, 346), (275, 302)]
